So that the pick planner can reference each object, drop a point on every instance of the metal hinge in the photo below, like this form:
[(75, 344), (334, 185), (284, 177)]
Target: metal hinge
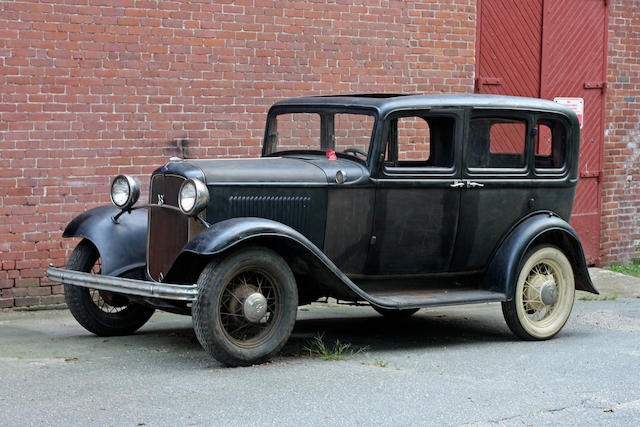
[(487, 81), (597, 174), (602, 85)]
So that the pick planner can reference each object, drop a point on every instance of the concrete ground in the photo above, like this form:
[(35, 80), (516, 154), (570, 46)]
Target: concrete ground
[(451, 366)]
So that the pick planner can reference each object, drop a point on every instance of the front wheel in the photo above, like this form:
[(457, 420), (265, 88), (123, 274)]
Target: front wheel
[(246, 306), (543, 296), (101, 312)]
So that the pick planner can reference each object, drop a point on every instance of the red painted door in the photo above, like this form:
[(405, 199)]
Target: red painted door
[(509, 47), (573, 65), (549, 49)]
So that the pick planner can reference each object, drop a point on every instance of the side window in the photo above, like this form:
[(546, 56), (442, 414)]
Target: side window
[(413, 139), (420, 142), (496, 143), (551, 144)]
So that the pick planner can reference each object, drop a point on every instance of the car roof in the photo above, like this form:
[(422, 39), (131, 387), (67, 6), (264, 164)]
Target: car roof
[(385, 103)]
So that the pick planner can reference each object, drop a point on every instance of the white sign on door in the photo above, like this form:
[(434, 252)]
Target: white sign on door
[(576, 104)]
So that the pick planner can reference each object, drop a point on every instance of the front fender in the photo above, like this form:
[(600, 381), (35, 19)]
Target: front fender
[(122, 245), (501, 276), (225, 235)]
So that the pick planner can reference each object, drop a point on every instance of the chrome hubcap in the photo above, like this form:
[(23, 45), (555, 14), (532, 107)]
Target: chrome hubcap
[(255, 307), (540, 290), (549, 293)]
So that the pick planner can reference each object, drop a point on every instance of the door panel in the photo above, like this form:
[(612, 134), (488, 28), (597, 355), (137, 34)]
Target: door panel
[(414, 227), (487, 214), (497, 188), (417, 199)]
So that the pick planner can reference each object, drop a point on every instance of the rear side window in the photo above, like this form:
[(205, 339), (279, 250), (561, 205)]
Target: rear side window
[(497, 143), (551, 142)]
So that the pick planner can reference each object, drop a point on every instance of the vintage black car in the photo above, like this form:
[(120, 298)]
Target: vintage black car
[(403, 202)]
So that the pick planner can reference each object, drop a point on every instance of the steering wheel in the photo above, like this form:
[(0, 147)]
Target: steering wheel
[(355, 151)]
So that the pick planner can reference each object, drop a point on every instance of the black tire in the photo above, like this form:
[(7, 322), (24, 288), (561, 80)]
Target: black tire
[(220, 311), (536, 313), (396, 314), (102, 313)]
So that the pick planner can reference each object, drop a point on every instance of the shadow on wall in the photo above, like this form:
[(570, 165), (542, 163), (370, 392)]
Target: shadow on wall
[(179, 147)]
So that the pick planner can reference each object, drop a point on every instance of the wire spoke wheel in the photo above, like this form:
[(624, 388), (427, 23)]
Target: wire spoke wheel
[(543, 296), (101, 312), (235, 296), (106, 302), (246, 306)]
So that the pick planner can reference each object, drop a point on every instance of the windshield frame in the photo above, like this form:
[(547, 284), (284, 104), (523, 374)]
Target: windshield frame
[(275, 111)]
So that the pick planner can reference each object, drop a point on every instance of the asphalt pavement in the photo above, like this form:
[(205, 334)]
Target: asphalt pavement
[(450, 366)]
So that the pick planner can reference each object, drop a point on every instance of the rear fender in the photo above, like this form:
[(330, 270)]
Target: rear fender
[(541, 228), (122, 244)]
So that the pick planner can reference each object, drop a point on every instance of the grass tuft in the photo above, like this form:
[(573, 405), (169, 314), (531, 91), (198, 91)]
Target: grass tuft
[(630, 269), (316, 347), (380, 363)]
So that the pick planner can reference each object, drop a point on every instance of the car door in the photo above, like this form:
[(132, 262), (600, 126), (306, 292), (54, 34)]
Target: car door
[(417, 197), (498, 184)]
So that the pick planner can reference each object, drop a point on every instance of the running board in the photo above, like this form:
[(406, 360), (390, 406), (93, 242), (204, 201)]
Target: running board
[(433, 298)]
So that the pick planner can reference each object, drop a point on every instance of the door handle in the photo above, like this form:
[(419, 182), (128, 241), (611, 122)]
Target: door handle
[(471, 184), (457, 184)]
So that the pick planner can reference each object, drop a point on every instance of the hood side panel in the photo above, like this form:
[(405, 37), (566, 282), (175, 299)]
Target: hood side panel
[(303, 209)]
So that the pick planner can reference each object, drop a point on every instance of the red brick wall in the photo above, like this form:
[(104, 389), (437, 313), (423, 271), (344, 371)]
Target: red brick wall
[(621, 186), (93, 88)]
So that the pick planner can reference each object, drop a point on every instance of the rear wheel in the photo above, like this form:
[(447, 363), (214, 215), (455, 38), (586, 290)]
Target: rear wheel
[(100, 312), (543, 296), (246, 306)]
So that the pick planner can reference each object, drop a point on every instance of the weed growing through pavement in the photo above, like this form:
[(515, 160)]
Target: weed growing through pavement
[(380, 363), (316, 347)]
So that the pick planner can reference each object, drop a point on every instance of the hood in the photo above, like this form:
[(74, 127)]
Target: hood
[(311, 169)]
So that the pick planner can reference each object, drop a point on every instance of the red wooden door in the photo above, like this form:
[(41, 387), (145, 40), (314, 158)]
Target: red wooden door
[(573, 65), (509, 47), (549, 49)]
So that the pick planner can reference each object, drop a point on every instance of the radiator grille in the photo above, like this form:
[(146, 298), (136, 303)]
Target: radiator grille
[(290, 210), (168, 229)]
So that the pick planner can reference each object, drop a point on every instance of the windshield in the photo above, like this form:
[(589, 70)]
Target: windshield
[(344, 133)]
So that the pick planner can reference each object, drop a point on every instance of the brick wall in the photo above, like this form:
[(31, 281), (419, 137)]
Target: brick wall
[(621, 186), (93, 88)]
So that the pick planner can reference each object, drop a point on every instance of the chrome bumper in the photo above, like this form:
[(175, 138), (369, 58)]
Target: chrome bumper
[(124, 286)]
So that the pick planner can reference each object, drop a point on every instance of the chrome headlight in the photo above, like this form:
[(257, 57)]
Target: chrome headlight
[(124, 191), (193, 197)]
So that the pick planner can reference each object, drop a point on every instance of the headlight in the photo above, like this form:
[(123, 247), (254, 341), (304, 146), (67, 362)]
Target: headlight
[(193, 197), (124, 191)]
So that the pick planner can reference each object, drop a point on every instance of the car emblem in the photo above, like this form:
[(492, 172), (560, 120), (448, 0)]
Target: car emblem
[(160, 199)]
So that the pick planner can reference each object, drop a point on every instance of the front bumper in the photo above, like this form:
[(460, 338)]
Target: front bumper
[(121, 285)]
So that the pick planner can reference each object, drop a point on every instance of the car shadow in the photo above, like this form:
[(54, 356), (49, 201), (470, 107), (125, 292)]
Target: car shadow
[(361, 329), (421, 331)]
